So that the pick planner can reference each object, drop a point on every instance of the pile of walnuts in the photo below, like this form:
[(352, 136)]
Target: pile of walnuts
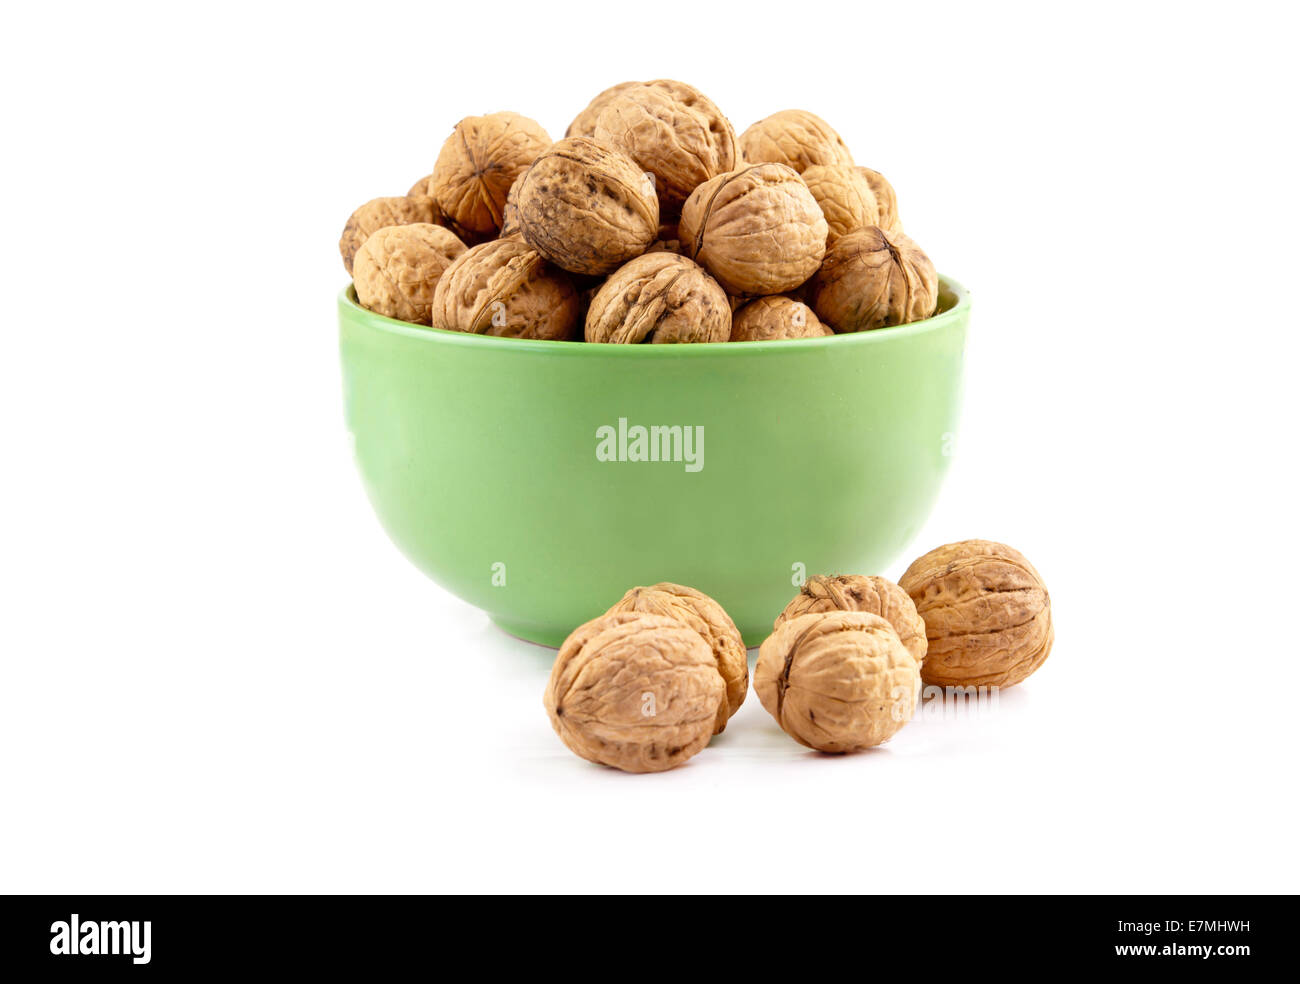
[(650, 221), (645, 686)]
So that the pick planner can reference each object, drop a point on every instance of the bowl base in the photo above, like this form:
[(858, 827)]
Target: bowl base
[(538, 635)]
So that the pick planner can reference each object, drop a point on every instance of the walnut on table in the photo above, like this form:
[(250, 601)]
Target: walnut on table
[(988, 616), (635, 691), (708, 618), (837, 681)]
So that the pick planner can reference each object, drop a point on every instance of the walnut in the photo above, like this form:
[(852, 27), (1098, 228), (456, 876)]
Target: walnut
[(477, 165), (584, 124), (987, 614), (794, 137), (845, 197), (758, 230), (506, 288), (837, 682), (636, 691), (659, 297), (873, 279), (673, 131), (423, 189), (773, 318), (886, 200), (398, 268), (710, 620), (855, 593), (379, 213), (587, 208), (510, 213)]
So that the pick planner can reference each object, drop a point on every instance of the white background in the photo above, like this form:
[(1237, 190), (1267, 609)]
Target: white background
[(219, 675)]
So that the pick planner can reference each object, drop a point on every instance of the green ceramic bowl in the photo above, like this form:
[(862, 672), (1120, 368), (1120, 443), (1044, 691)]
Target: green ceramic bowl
[(508, 470)]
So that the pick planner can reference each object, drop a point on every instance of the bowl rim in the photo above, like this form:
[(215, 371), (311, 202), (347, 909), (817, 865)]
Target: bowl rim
[(348, 302)]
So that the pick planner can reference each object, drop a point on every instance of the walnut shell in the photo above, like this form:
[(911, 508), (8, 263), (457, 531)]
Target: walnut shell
[(758, 230), (659, 297), (477, 165), (775, 318), (988, 616), (710, 620), (586, 207), (873, 279), (506, 288), (837, 682), (378, 213), (855, 593), (584, 124), (673, 131), (845, 197), (397, 270), (422, 189), (635, 691), (510, 213), (886, 200), (796, 138)]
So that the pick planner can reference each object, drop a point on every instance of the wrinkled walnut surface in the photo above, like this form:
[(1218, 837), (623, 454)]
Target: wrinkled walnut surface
[(586, 207), (886, 200), (796, 138), (656, 298), (988, 616), (510, 213), (856, 593), (506, 288), (708, 618), (758, 230), (775, 318), (871, 279), (837, 682), (845, 197), (635, 691), (476, 167), (584, 124), (379, 213), (397, 269), (672, 130)]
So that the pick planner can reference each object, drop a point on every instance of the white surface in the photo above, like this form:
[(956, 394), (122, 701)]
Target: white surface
[(218, 675)]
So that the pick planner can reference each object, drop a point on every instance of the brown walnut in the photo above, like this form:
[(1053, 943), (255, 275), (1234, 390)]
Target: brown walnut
[(586, 207), (855, 593), (635, 691), (710, 620), (673, 131), (796, 138), (476, 167), (873, 279), (659, 297), (837, 682), (584, 124), (758, 230), (845, 197), (397, 270), (988, 616), (886, 200), (378, 213), (506, 288), (510, 214), (773, 318)]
